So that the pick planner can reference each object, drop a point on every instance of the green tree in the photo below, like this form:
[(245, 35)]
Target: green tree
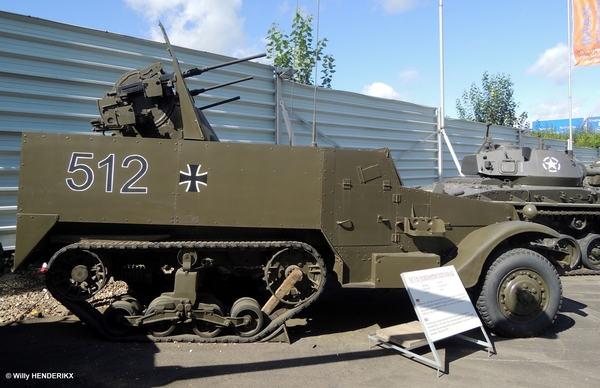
[(493, 102), (296, 51), (582, 137)]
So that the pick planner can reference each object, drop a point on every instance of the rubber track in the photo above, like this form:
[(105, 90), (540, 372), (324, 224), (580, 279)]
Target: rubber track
[(581, 272), (564, 213), (93, 318)]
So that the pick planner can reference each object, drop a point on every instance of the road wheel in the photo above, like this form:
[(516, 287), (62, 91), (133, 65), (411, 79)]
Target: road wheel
[(115, 320), (521, 294), (591, 251), (249, 309), (165, 327), (207, 329)]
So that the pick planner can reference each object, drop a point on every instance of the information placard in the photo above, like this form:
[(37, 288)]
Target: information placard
[(441, 302)]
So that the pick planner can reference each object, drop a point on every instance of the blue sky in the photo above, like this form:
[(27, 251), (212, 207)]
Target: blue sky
[(387, 48)]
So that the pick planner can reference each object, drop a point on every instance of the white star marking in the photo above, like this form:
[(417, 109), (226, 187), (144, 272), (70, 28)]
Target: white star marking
[(551, 164)]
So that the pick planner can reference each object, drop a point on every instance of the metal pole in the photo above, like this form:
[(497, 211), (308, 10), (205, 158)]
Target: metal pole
[(278, 86), (314, 123), (570, 50), (441, 112), (440, 148)]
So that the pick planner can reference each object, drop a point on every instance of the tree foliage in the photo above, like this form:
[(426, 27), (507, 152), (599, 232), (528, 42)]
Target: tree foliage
[(296, 51), (493, 102), (582, 137)]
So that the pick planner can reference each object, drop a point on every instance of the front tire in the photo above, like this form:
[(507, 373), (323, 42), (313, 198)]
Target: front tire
[(521, 294)]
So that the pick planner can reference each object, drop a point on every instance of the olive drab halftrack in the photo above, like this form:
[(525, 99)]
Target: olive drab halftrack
[(548, 187), (226, 241)]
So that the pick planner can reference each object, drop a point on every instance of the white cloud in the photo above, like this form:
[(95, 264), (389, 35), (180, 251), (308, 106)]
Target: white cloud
[(379, 89), (594, 109), (558, 108), (552, 63), (207, 25), (409, 76), (283, 8), (551, 109), (398, 6)]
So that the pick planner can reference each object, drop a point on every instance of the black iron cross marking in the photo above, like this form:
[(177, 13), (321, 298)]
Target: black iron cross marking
[(193, 178)]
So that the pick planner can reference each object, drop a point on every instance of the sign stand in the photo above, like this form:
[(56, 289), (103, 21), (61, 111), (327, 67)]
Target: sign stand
[(444, 310)]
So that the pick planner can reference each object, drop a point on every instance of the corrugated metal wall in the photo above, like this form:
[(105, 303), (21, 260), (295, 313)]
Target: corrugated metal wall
[(356, 121), (51, 75)]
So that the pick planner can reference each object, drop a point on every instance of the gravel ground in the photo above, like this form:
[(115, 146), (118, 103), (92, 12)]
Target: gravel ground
[(23, 295)]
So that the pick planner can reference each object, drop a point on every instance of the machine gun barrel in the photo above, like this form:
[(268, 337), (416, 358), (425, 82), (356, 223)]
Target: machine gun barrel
[(195, 92), (220, 103), (198, 70)]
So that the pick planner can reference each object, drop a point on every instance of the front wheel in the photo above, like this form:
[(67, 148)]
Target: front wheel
[(521, 294)]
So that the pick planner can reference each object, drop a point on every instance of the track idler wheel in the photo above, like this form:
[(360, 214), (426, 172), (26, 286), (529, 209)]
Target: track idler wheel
[(249, 309), (76, 274), (590, 247)]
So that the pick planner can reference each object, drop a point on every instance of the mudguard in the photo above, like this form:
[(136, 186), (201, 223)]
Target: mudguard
[(474, 250), (32, 229)]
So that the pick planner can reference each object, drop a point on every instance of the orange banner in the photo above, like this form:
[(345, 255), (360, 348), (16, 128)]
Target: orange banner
[(586, 32)]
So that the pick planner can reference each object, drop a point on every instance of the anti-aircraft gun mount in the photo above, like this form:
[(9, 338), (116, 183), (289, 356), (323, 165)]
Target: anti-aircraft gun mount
[(548, 187), (143, 103), (223, 242)]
